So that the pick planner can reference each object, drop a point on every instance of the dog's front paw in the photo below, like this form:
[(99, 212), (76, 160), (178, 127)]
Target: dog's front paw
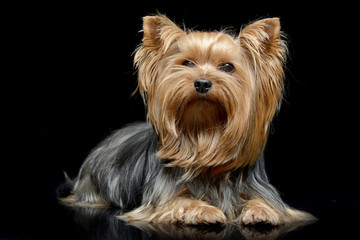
[(198, 212), (256, 211), (258, 215)]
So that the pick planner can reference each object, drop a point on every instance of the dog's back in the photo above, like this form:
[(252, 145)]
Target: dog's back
[(117, 171)]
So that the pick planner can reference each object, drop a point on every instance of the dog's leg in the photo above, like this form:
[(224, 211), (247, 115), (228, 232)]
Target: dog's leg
[(178, 211)]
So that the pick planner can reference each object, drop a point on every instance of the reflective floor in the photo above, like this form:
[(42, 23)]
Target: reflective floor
[(103, 224), (45, 219)]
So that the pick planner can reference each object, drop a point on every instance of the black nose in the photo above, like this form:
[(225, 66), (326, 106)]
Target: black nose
[(202, 85)]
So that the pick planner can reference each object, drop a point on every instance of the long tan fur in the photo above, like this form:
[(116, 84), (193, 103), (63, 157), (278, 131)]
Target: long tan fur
[(236, 126)]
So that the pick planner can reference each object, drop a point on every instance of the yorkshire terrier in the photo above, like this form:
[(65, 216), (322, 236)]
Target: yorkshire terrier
[(211, 97)]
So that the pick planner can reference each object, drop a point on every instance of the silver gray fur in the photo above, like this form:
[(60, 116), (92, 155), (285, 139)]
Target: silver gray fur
[(124, 171)]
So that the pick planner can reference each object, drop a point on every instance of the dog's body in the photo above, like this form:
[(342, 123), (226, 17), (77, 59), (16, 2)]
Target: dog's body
[(211, 98)]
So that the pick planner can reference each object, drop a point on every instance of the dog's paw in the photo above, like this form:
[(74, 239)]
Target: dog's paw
[(256, 211), (199, 213), (258, 215)]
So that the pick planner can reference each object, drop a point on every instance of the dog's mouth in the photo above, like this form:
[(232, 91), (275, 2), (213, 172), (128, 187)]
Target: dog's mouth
[(202, 114), (202, 99)]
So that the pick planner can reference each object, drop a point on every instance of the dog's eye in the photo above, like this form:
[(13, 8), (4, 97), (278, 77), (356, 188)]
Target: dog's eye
[(226, 67), (188, 63)]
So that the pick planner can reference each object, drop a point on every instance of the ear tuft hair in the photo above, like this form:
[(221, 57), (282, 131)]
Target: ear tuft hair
[(159, 32), (262, 37)]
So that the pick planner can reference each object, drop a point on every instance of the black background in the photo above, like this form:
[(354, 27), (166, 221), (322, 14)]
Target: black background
[(67, 83)]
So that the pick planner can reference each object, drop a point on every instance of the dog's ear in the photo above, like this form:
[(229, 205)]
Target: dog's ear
[(262, 44), (159, 35), (262, 37), (160, 32)]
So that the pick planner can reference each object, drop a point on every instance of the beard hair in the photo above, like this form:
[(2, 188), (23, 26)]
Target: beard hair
[(200, 131)]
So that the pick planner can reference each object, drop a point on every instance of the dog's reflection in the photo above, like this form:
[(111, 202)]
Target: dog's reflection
[(103, 224)]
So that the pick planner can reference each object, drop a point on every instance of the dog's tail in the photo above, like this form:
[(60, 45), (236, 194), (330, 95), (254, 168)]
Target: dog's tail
[(65, 189)]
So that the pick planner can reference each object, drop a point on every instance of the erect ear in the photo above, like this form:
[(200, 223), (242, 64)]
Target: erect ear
[(262, 36), (159, 31), (159, 35)]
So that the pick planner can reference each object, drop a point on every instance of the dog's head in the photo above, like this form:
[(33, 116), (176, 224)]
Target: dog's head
[(211, 95)]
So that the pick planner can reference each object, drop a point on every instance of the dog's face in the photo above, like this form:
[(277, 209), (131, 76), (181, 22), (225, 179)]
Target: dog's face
[(202, 86), (205, 91)]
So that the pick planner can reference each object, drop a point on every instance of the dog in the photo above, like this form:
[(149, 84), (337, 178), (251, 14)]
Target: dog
[(210, 98)]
